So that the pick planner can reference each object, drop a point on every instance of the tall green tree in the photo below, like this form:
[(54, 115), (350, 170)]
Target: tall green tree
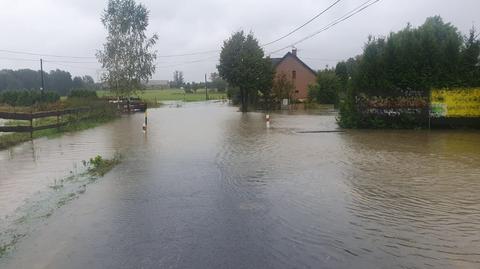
[(326, 89), (127, 54), (59, 81), (243, 65), (434, 55), (469, 62)]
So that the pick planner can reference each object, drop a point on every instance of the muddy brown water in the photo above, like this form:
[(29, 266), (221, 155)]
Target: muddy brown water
[(208, 187)]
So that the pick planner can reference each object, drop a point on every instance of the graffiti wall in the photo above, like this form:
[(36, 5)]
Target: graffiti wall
[(412, 103), (455, 103)]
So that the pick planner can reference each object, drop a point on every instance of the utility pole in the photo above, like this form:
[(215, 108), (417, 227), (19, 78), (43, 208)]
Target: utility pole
[(41, 75), (206, 88)]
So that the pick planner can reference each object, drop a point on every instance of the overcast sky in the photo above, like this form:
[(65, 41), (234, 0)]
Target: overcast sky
[(73, 28)]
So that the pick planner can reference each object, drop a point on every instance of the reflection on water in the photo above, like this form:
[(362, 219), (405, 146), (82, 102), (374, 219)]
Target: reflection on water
[(209, 187)]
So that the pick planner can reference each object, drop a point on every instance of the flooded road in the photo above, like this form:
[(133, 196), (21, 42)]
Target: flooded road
[(208, 187)]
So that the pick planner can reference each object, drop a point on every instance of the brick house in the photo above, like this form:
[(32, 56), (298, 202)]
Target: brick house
[(297, 71)]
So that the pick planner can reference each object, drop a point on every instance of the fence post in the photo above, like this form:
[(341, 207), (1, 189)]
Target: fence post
[(31, 125), (58, 120)]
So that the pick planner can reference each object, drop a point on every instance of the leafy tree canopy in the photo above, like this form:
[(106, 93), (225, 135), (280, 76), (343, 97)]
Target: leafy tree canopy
[(127, 55), (434, 55), (243, 65)]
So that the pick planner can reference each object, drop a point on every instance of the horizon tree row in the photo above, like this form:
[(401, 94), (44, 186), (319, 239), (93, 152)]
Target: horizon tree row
[(58, 81)]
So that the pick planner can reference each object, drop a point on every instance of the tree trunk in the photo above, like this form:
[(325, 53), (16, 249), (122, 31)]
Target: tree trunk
[(243, 98)]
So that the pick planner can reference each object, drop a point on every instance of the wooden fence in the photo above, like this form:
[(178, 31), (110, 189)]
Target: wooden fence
[(37, 115)]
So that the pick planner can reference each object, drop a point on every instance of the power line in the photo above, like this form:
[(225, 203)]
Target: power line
[(301, 26), (70, 62), (176, 55), (330, 25), (77, 67), (18, 59), (45, 55), (189, 62), (188, 54), (62, 63), (55, 62), (341, 19)]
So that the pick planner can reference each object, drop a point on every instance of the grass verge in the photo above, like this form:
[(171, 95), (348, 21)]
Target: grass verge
[(13, 139)]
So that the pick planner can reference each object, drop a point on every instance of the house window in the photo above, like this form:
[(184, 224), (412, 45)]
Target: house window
[(294, 74)]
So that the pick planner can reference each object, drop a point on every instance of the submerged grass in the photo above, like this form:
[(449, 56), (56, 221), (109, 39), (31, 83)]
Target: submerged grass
[(100, 166), (44, 203)]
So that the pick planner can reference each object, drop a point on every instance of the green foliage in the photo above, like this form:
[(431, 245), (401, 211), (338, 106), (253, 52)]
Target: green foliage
[(233, 93), (127, 55), (434, 55), (57, 80), (83, 94), (100, 166), (326, 88), (97, 161), (217, 82), (242, 65), (27, 98), (101, 112), (282, 88)]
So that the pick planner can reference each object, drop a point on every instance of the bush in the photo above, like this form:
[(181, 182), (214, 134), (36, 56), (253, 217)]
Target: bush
[(233, 93), (28, 98), (326, 88), (83, 94)]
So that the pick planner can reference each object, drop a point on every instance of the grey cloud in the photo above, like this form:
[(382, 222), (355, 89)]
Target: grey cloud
[(72, 27)]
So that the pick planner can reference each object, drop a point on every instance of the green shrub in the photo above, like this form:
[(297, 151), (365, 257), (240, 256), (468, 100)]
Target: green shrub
[(326, 88), (28, 98), (83, 94)]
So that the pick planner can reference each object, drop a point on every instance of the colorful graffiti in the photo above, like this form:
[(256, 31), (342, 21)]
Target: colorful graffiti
[(455, 103), (392, 106)]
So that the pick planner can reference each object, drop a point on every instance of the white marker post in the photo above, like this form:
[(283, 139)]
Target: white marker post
[(145, 123), (267, 119)]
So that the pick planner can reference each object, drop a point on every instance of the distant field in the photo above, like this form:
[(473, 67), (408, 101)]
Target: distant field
[(174, 95)]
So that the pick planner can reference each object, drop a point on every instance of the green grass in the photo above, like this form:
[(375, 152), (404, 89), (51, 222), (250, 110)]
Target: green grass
[(9, 140), (100, 112), (173, 95), (100, 166)]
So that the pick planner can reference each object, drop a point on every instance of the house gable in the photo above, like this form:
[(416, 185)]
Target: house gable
[(278, 61), (296, 71)]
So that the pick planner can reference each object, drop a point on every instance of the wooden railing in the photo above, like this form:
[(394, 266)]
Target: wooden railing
[(37, 115)]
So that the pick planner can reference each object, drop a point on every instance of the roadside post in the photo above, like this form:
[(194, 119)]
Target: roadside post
[(267, 119), (145, 123)]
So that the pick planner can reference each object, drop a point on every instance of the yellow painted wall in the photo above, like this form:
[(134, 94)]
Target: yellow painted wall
[(455, 102)]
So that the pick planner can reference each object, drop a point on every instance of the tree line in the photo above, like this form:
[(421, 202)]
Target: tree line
[(215, 82), (58, 81), (434, 55)]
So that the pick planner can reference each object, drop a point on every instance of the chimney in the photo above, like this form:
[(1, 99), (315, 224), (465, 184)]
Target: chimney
[(294, 51)]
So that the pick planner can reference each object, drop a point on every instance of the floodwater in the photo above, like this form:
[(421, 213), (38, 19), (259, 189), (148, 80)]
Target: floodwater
[(208, 187)]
